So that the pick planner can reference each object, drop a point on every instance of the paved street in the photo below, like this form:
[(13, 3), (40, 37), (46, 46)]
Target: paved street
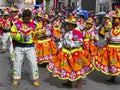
[(94, 81)]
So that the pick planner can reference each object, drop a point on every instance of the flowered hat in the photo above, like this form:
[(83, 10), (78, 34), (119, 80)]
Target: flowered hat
[(13, 9), (7, 9), (117, 12), (40, 14), (90, 20), (71, 19), (107, 16), (6, 13)]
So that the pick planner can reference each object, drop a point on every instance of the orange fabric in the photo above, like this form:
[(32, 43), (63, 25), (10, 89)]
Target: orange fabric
[(57, 33), (45, 49), (108, 60), (91, 47), (71, 64)]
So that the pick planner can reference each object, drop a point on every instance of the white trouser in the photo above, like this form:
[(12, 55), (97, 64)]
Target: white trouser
[(5, 37), (30, 53)]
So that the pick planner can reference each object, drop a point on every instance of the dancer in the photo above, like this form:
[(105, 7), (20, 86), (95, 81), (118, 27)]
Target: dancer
[(90, 37), (6, 32), (72, 61), (22, 33), (45, 46), (108, 60)]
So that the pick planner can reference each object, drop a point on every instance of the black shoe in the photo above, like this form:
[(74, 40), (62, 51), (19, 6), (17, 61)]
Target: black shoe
[(111, 80), (69, 84), (42, 65)]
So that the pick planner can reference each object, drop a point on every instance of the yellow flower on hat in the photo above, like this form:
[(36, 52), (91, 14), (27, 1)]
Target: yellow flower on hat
[(40, 14), (71, 19), (90, 20), (13, 9)]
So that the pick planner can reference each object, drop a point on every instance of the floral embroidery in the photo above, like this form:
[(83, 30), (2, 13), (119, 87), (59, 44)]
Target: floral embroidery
[(73, 75), (46, 58), (113, 61), (40, 59), (106, 68), (50, 57), (98, 65), (83, 73), (63, 73), (64, 62), (51, 65), (55, 71), (113, 69), (79, 61), (46, 43), (115, 31), (87, 68)]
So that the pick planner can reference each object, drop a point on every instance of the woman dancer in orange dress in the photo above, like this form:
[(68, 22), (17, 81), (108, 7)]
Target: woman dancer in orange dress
[(90, 38), (108, 60), (72, 62), (45, 46)]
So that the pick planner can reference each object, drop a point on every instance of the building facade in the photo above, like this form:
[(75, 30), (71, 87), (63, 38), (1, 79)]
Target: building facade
[(95, 5)]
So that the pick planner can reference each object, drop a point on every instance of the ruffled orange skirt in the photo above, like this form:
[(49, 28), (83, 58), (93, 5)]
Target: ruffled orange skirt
[(71, 64), (108, 60), (45, 50), (91, 47)]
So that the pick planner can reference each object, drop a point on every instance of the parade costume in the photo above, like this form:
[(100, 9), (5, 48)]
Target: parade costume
[(72, 62), (22, 33), (57, 30), (90, 38), (13, 19), (6, 25), (45, 46), (107, 27), (80, 21), (108, 60)]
